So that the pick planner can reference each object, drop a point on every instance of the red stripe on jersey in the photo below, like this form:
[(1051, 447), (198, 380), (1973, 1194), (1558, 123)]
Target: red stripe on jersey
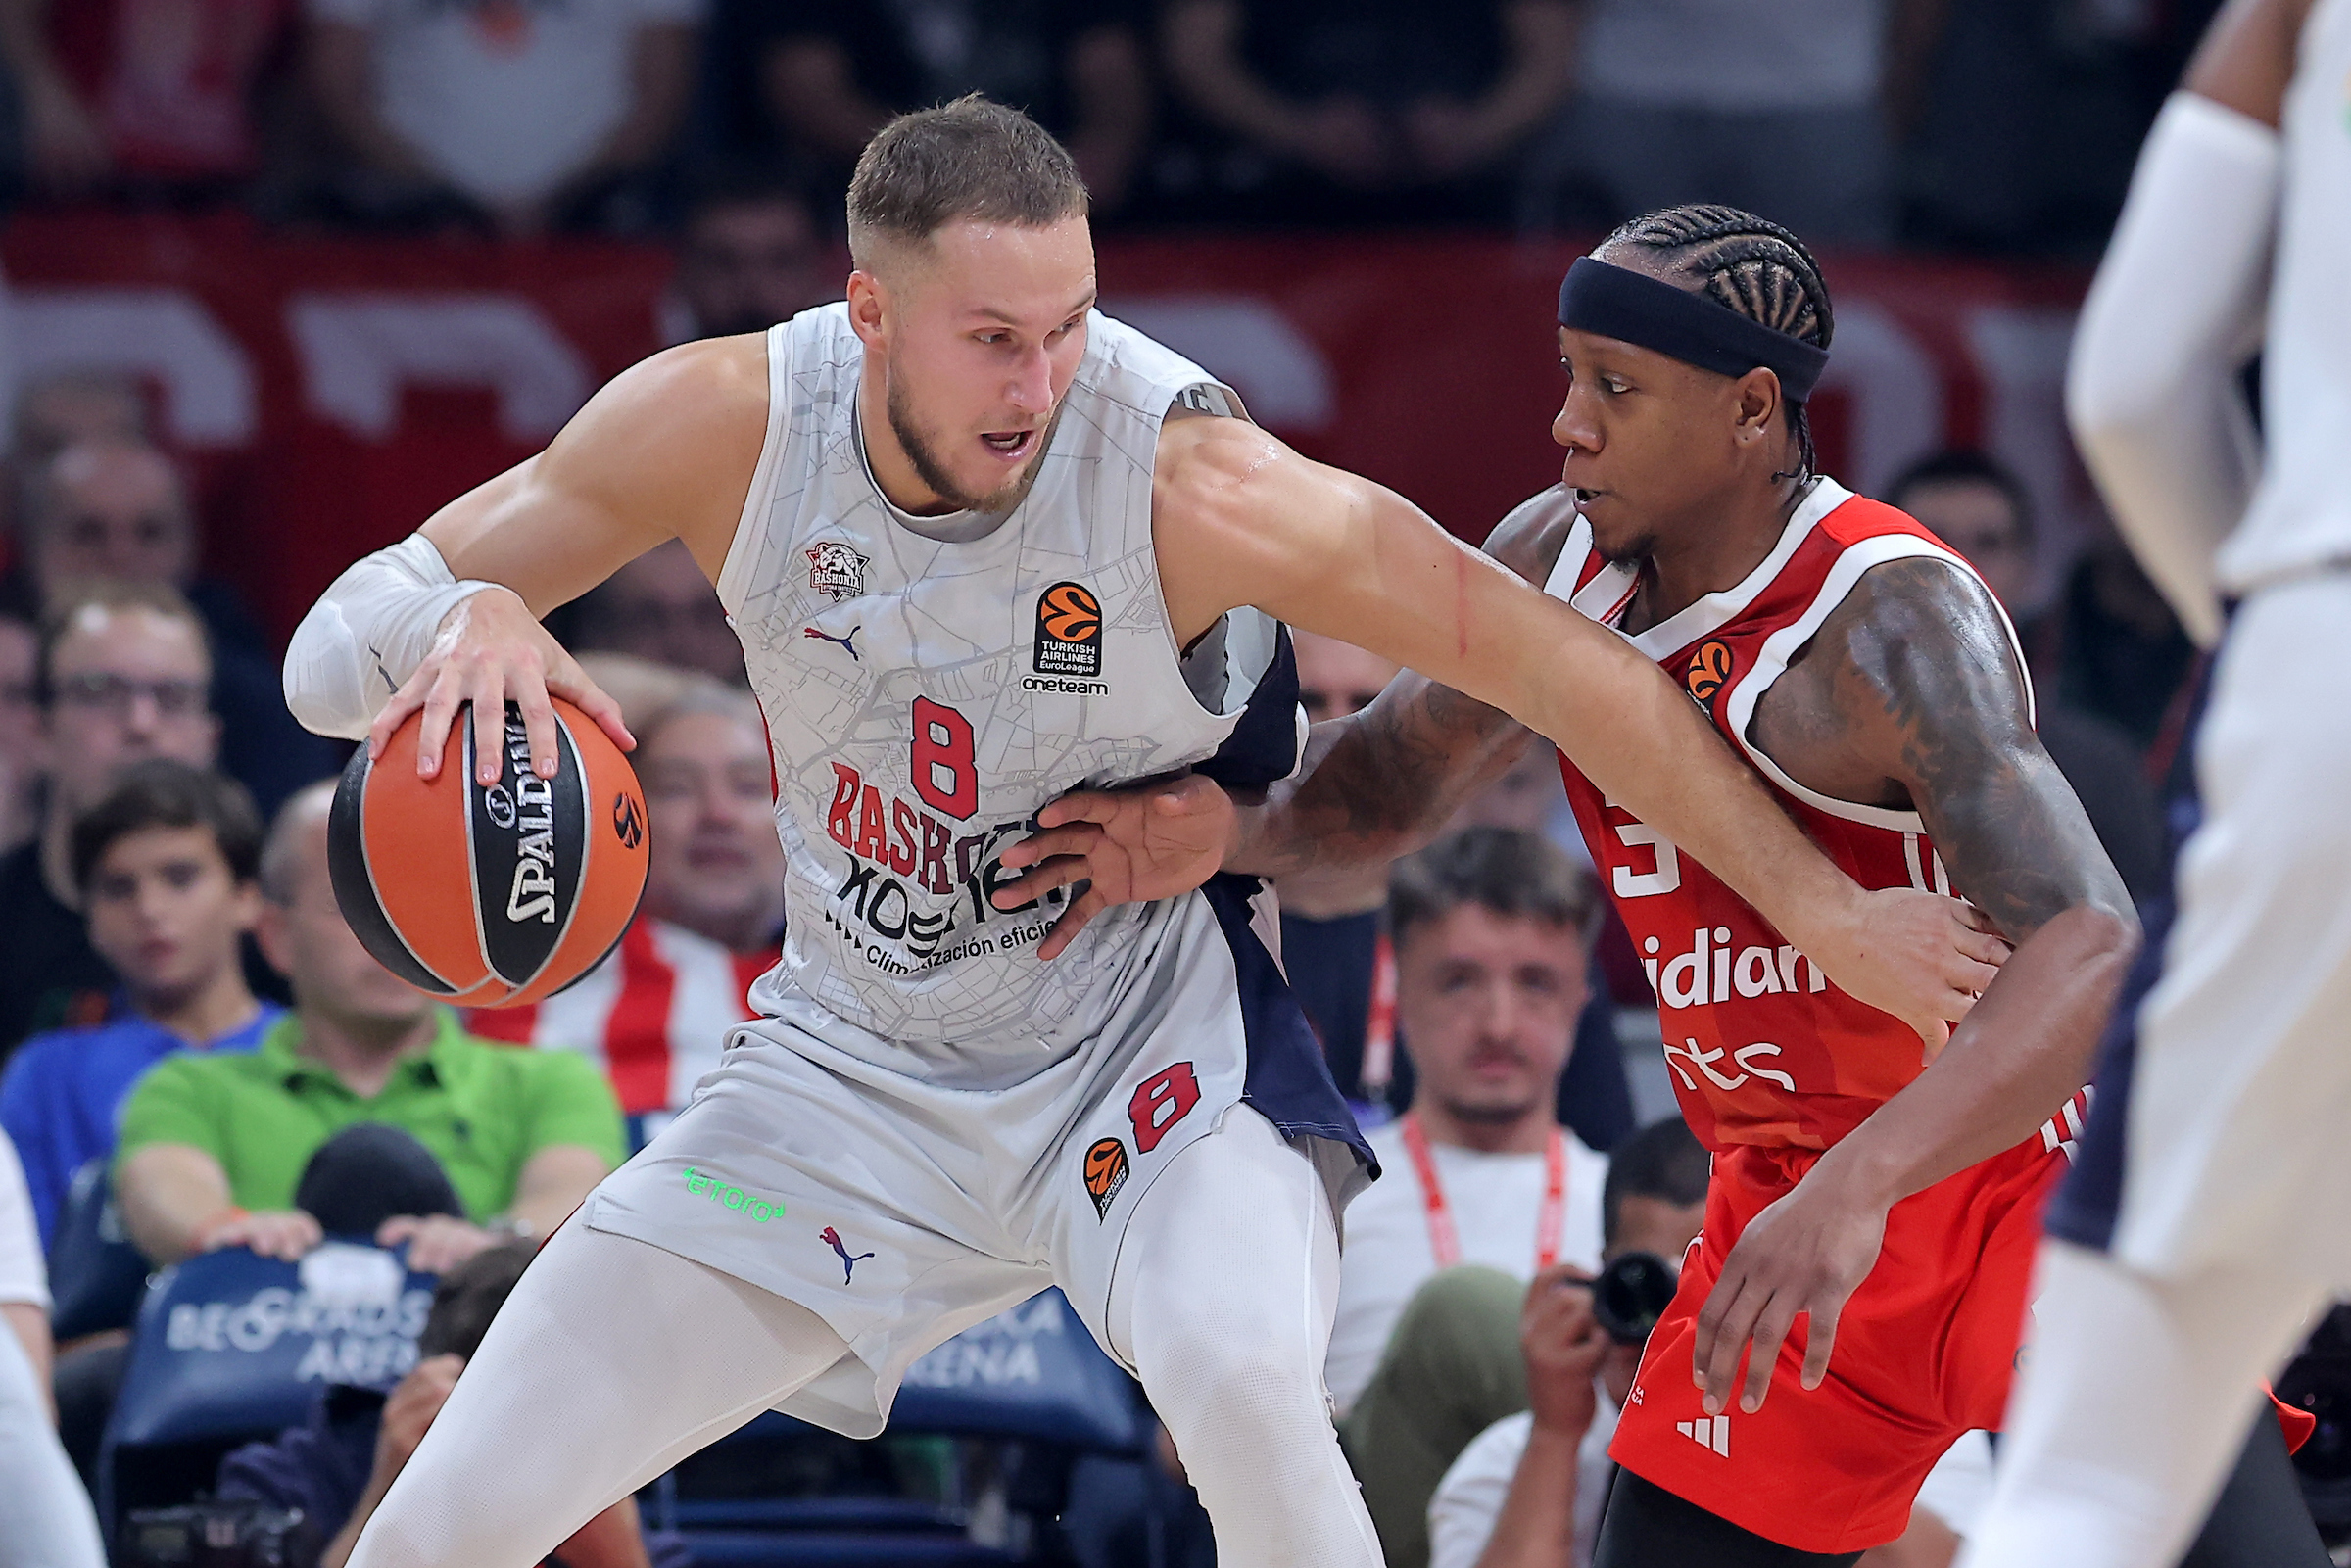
[(749, 967), (637, 1031), (1761, 1049)]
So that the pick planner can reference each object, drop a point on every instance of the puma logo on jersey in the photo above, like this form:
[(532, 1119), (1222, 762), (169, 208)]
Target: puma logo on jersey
[(849, 642), (848, 1259), (1715, 970)]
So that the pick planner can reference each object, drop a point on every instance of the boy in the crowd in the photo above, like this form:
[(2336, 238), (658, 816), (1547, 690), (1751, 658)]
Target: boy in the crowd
[(164, 864)]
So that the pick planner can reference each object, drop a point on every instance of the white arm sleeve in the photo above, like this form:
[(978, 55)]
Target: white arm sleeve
[(368, 634), (2174, 314)]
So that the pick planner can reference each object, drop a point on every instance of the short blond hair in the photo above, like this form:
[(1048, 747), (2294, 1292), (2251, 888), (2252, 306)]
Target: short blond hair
[(968, 159)]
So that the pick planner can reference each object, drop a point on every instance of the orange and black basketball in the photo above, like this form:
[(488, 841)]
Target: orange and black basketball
[(490, 895)]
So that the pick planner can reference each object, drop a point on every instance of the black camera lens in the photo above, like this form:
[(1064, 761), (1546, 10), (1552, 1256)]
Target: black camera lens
[(1631, 1294)]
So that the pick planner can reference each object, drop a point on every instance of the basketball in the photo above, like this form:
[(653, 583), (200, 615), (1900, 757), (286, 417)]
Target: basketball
[(498, 895)]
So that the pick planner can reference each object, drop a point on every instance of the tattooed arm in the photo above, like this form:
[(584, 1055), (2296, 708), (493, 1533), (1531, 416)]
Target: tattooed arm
[(1910, 697), (1382, 782)]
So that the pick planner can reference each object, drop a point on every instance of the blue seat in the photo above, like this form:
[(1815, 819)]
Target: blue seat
[(96, 1276), (231, 1346), (1033, 1374)]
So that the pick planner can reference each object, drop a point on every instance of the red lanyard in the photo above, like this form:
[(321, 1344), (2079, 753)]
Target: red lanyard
[(1444, 1242), (1379, 1026)]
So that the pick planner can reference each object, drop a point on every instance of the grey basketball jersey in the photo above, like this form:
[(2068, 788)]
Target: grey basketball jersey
[(928, 691)]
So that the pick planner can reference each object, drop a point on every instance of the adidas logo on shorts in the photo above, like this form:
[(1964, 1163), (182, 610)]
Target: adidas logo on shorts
[(1709, 1432)]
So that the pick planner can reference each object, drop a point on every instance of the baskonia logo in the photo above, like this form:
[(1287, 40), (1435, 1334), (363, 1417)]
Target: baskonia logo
[(837, 571), (1709, 667), (1105, 1173), (1069, 631)]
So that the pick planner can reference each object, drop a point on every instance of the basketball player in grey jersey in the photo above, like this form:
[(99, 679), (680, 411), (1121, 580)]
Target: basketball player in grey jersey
[(983, 548)]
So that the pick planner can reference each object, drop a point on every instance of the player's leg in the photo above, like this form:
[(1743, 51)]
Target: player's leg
[(1222, 1300), (2260, 1519), (611, 1361), (2138, 1396), (1648, 1527)]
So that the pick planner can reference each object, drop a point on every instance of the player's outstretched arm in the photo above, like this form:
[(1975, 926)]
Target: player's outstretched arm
[(1922, 699), (451, 614), (1370, 786), (1240, 519)]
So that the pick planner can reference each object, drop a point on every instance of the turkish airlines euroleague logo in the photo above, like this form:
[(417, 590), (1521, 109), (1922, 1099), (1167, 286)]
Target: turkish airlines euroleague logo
[(1069, 631), (1709, 670)]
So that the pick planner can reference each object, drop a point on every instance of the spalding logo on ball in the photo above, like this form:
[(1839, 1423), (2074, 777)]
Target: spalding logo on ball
[(490, 895)]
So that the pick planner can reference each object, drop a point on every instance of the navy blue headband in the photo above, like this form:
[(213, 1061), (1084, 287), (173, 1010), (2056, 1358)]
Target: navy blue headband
[(1614, 302)]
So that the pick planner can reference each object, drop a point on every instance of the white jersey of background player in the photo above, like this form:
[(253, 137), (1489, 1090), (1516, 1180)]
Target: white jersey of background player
[(2205, 1220), (983, 548)]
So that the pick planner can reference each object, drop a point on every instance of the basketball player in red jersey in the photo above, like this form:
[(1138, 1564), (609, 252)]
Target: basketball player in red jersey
[(1874, 1209)]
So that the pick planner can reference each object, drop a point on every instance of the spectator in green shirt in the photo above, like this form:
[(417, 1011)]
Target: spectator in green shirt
[(367, 1109)]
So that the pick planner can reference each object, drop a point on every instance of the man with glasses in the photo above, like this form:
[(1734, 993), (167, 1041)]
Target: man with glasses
[(113, 508), (123, 674)]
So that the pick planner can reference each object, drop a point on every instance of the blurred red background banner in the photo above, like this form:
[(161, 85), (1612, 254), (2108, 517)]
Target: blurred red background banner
[(329, 393)]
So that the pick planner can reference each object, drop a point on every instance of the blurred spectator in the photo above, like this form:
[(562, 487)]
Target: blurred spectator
[(121, 677), (1331, 938), (367, 1112), (831, 72), (1981, 510), (642, 688), (654, 1015), (749, 255), (2029, 115), (534, 114), (21, 760), (661, 608), (166, 865), (337, 1467), (1528, 1492), (142, 93), (61, 410), (1490, 929), (113, 509), (1778, 109), (45, 1516), (2121, 652), (1530, 797), (1366, 101)]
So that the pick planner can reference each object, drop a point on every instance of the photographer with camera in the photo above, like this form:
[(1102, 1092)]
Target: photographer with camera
[(1483, 1188), (1528, 1492)]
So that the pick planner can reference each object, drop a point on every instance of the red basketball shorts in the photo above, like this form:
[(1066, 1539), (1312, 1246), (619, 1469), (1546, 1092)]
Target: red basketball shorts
[(1925, 1350)]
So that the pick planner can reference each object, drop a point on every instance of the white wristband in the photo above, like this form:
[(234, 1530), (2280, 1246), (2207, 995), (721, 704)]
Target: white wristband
[(368, 634)]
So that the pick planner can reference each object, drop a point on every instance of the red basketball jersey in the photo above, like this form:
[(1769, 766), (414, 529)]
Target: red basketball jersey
[(1763, 1049)]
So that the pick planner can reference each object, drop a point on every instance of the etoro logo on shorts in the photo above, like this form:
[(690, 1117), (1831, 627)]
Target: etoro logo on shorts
[(762, 1210), (1106, 1171)]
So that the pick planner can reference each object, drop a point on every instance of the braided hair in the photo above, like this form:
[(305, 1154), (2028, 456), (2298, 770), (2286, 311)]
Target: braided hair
[(1750, 265)]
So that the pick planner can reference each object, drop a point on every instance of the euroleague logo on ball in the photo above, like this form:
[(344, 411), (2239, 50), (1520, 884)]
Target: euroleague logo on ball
[(1069, 631), (627, 821), (1709, 668)]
